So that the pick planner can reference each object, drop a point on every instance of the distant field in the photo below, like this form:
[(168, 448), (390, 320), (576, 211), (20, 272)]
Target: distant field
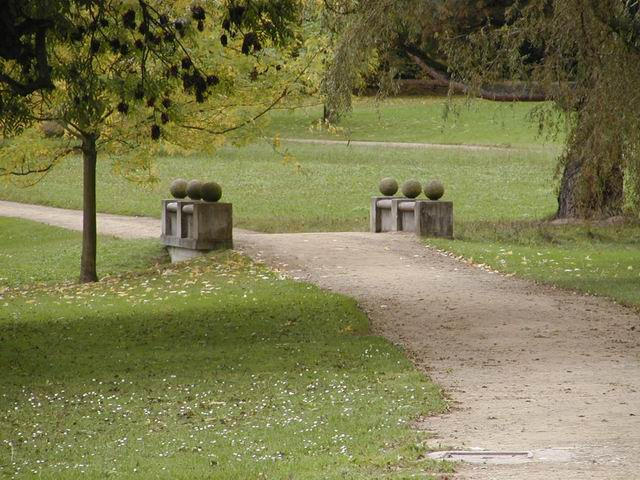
[(420, 119)]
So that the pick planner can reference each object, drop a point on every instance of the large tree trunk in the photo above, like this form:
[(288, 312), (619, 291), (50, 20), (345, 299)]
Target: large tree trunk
[(568, 202), (88, 271), (578, 198)]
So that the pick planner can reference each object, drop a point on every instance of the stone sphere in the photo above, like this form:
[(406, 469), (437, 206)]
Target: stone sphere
[(411, 188), (211, 192), (194, 189), (388, 187), (434, 189), (178, 188)]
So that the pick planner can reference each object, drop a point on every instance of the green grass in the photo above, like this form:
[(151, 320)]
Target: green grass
[(590, 258), (216, 369), (330, 190), (327, 188), (31, 252), (420, 119)]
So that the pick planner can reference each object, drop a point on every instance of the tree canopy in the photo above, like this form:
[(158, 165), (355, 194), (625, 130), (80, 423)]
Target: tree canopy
[(137, 78), (589, 66), (583, 55)]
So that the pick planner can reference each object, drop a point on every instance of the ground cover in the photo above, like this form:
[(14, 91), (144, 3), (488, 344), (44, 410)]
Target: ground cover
[(31, 252), (216, 368), (500, 196), (420, 119), (328, 191), (600, 260)]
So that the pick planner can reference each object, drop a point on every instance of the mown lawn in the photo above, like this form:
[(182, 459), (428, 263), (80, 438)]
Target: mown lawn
[(216, 368), (326, 188), (421, 119), (500, 196), (591, 258), (31, 252)]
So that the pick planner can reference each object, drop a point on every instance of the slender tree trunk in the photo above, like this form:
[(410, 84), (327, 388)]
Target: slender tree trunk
[(88, 271)]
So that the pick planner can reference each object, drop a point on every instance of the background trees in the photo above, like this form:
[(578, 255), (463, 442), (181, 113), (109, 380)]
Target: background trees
[(581, 54), (590, 68), (139, 78)]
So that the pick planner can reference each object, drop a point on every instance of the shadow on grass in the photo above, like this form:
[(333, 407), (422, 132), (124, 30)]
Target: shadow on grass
[(193, 339)]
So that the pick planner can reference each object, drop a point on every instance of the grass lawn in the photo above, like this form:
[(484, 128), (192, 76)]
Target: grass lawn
[(593, 259), (329, 191), (31, 252), (216, 369), (419, 119), (500, 196)]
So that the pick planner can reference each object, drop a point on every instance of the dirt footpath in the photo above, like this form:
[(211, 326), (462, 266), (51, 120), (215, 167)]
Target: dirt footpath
[(526, 367)]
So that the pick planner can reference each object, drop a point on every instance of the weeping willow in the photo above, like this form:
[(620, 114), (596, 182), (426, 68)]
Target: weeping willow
[(589, 67), (583, 55)]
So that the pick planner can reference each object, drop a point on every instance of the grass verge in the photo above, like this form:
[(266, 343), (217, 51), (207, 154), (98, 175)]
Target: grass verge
[(214, 369), (594, 259), (31, 252)]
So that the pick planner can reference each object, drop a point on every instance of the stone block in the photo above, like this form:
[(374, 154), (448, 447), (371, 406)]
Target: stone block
[(197, 226), (427, 218), (434, 218), (380, 215)]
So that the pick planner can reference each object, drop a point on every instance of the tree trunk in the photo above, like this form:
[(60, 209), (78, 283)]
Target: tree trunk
[(88, 271), (568, 203), (578, 198), (329, 114)]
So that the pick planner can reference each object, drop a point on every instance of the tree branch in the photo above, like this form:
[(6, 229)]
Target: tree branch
[(444, 80), (240, 125)]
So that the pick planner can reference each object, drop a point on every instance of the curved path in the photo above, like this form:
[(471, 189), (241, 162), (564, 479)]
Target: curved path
[(526, 367)]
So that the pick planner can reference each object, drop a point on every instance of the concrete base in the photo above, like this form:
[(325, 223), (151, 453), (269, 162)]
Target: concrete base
[(426, 218), (179, 254), (434, 219)]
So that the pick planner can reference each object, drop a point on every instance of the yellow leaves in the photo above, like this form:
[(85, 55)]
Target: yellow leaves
[(30, 151), (138, 167)]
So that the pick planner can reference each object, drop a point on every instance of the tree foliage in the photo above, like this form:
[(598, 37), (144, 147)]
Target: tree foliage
[(136, 78), (584, 55), (141, 77), (590, 67), (378, 38)]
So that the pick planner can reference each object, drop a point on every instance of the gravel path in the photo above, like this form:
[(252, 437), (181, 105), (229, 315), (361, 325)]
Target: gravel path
[(527, 367), (417, 145)]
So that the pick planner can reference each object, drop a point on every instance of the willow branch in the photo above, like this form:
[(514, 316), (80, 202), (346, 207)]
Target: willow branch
[(442, 79)]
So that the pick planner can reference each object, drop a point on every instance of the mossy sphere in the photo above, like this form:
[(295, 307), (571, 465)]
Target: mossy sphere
[(178, 188), (211, 192), (194, 189), (388, 187), (434, 189), (411, 188)]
